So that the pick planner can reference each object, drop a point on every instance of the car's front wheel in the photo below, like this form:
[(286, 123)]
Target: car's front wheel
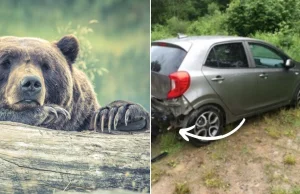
[(296, 99), (208, 121)]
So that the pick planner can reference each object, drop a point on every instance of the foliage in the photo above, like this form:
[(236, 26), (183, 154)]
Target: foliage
[(248, 17), (208, 25), (86, 61), (176, 25), (159, 32), (275, 21), (285, 38), (188, 10)]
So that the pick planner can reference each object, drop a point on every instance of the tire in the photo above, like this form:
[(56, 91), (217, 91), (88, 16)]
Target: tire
[(296, 99), (214, 128)]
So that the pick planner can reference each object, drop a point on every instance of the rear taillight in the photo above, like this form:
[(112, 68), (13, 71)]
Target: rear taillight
[(180, 82)]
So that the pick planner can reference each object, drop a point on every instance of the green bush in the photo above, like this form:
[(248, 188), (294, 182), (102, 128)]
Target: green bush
[(171, 29), (160, 32), (176, 26), (285, 38), (248, 17), (209, 25)]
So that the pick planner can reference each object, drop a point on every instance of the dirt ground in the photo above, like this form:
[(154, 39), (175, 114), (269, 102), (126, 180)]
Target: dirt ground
[(262, 157)]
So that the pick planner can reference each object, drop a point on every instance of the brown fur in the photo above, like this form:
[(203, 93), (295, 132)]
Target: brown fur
[(64, 87)]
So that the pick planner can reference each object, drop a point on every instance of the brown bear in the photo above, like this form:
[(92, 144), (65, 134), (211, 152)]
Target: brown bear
[(40, 86)]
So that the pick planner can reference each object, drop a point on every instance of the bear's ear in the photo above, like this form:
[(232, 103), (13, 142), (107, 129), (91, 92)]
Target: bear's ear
[(69, 46)]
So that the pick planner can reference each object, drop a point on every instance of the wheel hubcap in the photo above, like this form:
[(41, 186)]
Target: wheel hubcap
[(208, 124)]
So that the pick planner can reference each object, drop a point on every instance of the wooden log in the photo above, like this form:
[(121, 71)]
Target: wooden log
[(38, 160)]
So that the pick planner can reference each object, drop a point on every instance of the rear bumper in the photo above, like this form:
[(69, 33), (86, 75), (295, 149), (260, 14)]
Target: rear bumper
[(170, 108)]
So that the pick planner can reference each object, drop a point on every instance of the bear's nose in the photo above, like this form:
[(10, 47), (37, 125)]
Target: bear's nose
[(31, 85)]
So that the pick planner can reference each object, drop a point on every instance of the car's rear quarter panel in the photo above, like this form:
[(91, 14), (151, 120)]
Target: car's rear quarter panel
[(200, 92)]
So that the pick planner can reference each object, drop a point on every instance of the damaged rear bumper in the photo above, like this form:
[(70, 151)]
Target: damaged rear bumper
[(172, 108)]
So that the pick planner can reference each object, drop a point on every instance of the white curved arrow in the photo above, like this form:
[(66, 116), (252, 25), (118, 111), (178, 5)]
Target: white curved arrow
[(184, 133)]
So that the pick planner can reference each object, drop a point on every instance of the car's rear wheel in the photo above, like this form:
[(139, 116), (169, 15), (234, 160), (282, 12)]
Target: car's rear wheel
[(208, 121)]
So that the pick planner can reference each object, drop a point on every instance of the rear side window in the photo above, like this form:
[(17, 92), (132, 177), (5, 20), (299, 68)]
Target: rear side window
[(165, 59), (230, 55)]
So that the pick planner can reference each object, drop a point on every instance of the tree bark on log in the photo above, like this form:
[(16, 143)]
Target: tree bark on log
[(38, 160)]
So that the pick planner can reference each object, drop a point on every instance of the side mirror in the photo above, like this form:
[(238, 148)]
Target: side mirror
[(289, 63)]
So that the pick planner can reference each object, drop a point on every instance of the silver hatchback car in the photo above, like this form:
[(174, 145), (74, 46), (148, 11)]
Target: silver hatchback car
[(210, 81)]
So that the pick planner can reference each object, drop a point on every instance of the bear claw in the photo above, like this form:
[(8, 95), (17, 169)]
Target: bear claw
[(115, 116), (63, 112), (52, 114)]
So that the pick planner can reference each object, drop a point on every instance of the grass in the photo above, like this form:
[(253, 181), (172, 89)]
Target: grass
[(156, 173), (289, 159), (240, 150), (278, 190), (282, 123), (182, 188), (273, 173), (245, 150), (213, 180), (172, 164), (219, 150), (170, 143)]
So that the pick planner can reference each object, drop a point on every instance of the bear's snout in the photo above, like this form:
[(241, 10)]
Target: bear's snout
[(31, 87), (25, 87)]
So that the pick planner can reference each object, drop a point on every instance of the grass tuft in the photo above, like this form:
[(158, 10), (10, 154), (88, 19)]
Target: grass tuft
[(170, 143), (172, 164), (182, 188), (156, 173), (278, 191), (212, 180), (289, 159)]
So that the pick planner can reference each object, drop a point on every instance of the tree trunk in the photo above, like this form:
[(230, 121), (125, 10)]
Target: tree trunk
[(38, 160)]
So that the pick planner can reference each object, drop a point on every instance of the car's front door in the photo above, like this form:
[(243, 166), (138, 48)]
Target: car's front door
[(227, 71), (275, 83)]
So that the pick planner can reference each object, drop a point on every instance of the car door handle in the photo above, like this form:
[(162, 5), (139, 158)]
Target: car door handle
[(217, 78), (263, 75)]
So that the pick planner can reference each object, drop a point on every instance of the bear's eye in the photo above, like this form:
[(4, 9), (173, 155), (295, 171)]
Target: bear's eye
[(5, 64), (45, 67)]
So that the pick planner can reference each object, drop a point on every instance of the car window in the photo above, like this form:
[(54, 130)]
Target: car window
[(265, 57), (230, 55), (165, 59)]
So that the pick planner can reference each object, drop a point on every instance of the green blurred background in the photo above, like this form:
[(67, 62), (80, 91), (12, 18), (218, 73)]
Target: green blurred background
[(114, 37)]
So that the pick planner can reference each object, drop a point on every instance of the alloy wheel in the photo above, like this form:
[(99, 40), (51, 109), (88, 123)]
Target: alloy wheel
[(208, 124)]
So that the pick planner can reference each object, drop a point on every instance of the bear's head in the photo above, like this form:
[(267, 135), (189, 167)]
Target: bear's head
[(34, 72)]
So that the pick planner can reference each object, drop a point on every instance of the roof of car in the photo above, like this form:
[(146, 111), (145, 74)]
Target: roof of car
[(206, 41), (193, 39)]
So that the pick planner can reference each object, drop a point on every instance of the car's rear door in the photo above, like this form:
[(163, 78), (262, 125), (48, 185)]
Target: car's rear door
[(227, 71), (275, 83)]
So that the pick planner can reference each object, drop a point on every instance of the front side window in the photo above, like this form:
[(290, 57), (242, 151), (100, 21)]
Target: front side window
[(230, 55), (265, 57)]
